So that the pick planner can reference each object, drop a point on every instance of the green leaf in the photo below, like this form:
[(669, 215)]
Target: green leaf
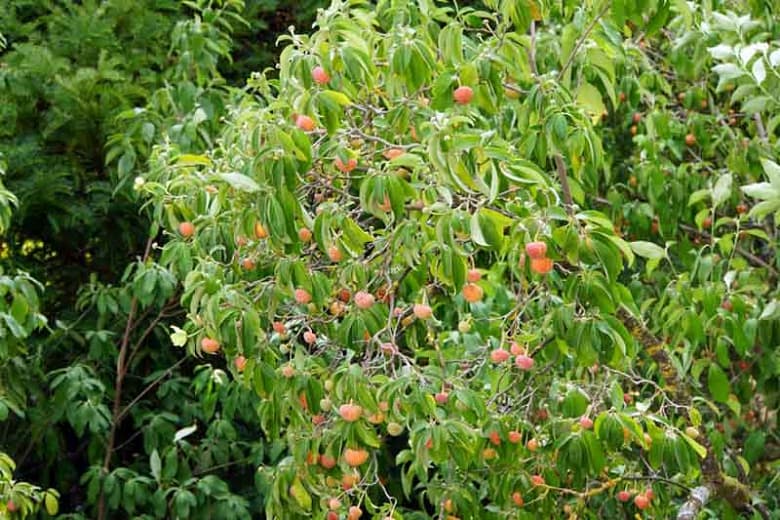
[(718, 383), (590, 98), (299, 493), (51, 503), (700, 450), (648, 250), (722, 190), (155, 465), (240, 181), (185, 432)]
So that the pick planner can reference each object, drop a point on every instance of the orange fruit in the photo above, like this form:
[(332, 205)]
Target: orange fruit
[(463, 95), (186, 229), (209, 345), (541, 265), (260, 231), (355, 458), (350, 412), (319, 75), (472, 292)]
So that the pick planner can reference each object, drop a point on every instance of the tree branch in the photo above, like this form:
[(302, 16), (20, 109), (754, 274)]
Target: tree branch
[(582, 39), (760, 127), (563, 177), (120, 376)]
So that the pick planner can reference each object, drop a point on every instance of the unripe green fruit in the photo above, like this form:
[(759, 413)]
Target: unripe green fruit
[(394, 429)]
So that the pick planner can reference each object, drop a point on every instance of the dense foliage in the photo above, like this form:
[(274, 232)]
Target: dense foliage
[(508, 260)]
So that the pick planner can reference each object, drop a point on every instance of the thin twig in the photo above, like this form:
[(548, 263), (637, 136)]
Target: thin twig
[(760, 127), (582, 39), (564, 180), (148, 388), (532, 50)]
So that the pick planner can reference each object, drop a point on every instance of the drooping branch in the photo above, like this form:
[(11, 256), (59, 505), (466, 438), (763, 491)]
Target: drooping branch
[(563, 178), (715, 482), (582, 38)]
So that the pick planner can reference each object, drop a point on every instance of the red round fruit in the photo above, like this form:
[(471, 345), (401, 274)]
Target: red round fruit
[(364, 300), (309, 337), (319, 75), (442, 398), (690, 139), (463, 95), (495, 438), (515, 437), (279, 327), (327, 462), (334, 253), (302, 296), (186, 229), (304, 234), (641, 502), (586, 422), (537, 480), (473, 275), (473, 293), (524, 362), (536, 249), (305, 123), (209, 345), (240, 363), (350, 412), (636, 118), (422, 311), (726, 305), (350, 165), (541, 265), (624, 496), (355, 458), (517, 498), (499, 355)]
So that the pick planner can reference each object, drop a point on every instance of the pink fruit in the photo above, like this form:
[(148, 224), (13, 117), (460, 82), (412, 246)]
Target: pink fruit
[(350, 165), (302, 296), (586, 422), (537, 480), (473, 275), (319, 75), (309, 337), (364, 300), (499, 355), (240, 363), (305, 123), (462, 95), (422, 311), (442, 397), (524, 362), (624, 496), (350, 412), (536, 249), (641, 502)]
